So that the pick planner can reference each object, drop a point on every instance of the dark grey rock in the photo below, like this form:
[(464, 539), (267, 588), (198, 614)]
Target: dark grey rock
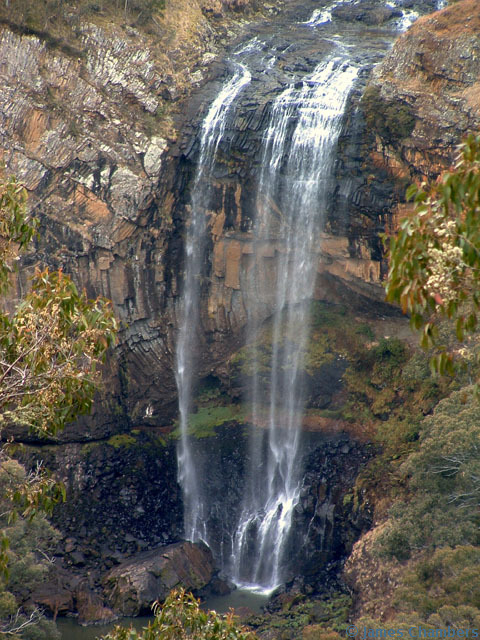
[(132, 587)]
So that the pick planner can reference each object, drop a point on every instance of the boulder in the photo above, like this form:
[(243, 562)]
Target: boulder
[(132, 587)]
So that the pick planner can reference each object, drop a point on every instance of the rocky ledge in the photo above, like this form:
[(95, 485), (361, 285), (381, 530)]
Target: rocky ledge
[(419, 104), (132, 587)]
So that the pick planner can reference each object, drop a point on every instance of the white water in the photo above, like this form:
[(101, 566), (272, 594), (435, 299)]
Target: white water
[(298, 157), (406, 21), (322, 16), (409, 16), (213, 128)]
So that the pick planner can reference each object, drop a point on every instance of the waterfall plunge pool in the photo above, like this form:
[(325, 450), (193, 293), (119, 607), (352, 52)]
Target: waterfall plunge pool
[(241, 599)]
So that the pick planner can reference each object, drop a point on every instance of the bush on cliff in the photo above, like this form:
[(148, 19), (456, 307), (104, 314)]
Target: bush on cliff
[(443, 482), (434, 269), (29, 543), (59, 21)]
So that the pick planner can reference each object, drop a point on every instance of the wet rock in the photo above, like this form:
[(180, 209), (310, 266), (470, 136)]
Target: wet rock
[(133, 586), (219, 587), (330, 520), (371, 15)]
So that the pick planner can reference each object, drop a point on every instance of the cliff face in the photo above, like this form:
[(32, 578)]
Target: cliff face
[(92, 129), (425, 96), (87, 128)]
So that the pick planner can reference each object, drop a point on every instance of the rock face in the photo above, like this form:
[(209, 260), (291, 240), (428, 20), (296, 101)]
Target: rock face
[(420, 104), (95, 139), (89, 134), (64, 593), (123, 498), (327, 510), (133, 586)]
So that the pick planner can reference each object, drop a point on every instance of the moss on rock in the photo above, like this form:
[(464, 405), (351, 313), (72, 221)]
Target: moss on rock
[(202, 423), (121, 440)]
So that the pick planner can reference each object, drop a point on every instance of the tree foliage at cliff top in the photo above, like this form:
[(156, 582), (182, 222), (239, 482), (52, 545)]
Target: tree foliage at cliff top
[(435, 256), (59, 21)]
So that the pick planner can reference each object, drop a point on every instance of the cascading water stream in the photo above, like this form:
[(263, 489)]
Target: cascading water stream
[(212, 131), (296, 177)]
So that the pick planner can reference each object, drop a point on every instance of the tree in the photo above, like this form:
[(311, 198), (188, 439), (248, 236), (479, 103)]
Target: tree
[(181, 618), (51, 346), (52, 343), (435, 256)]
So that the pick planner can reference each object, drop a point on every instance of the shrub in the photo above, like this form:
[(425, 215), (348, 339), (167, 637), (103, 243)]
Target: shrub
[(181, 618), (442, 477)]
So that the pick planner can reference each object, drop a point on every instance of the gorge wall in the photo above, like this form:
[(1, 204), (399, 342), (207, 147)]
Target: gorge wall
[(89, 131)]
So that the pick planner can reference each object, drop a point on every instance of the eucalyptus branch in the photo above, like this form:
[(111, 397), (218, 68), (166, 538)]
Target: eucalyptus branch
[(13, 626)]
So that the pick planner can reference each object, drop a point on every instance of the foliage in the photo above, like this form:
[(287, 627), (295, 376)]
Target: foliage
[(447, 578), (299, 617), (435, 256), (51, 345), (121, 440), (50, 348), (181, 618), (443, 480), (438, 591), (16, 230), (202, 423), (29, 541), (59, 21)]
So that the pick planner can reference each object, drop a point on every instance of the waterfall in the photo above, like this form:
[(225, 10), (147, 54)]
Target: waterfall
[(212, 131), (295, 181)]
